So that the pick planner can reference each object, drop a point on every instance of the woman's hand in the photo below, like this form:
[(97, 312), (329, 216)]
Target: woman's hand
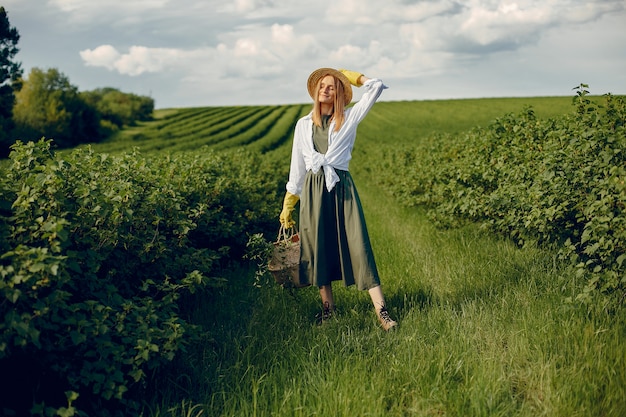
[(356, 78), (289, 203)]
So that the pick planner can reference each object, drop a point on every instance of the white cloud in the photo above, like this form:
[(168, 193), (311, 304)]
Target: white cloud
[(273, 51), (85, 11), (138, 60), (373, 13), (246, 6), (103, 56), (475, 26), (118, 6), (222, 49), (290, 46), (282, 34)]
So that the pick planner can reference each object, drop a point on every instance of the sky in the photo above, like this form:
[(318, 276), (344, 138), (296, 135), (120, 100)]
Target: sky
[(192, 53)]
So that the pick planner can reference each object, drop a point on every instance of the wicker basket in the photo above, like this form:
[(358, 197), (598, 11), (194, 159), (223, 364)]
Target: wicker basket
[(285, 262)]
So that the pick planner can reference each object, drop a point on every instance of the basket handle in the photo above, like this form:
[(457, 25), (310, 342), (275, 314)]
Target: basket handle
[(286, 234)]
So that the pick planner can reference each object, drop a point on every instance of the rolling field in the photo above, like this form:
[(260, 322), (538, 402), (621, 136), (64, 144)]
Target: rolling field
[(484, 326), (487, 326), (267, 128)]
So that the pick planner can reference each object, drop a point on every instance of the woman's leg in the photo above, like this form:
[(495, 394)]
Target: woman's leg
[(326, 292), (328, 302), (378, 300)]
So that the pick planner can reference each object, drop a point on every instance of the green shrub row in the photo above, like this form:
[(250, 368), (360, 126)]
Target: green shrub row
[(557, 182), (97, 254), (281, 130), (257, 131), (258, 128), (217, 130), (186, 116), (203, 124), (182, 129), (169, 126)]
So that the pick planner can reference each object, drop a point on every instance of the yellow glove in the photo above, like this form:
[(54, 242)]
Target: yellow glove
[(289, 203), (353, 76)]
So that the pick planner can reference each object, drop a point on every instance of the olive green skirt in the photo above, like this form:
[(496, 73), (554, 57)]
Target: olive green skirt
[(335, 244)]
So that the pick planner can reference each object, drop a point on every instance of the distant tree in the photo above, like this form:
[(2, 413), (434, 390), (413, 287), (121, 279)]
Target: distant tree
[(49, 106), (120, 109), (10, 74)]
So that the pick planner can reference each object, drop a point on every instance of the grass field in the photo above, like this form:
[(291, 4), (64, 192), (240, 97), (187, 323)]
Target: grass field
[(484, 326), (190, 128)]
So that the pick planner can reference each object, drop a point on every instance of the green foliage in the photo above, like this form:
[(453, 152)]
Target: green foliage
[(259, 250), (49, 106), (483, 331), (558, 181), (260, 128), (99, 252), (107, 260), (117, 108), (10, 73)]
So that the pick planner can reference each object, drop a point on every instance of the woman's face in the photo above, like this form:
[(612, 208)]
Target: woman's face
[(327, 92)]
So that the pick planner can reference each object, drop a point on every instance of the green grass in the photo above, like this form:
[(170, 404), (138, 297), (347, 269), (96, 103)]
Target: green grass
[(191, 128), (485, 329), (484, 326)]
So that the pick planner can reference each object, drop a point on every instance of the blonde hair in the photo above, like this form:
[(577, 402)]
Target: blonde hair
[(338, 106)]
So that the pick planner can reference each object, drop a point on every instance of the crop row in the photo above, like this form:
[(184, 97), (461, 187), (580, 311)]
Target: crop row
[(205, 125), (281, 131), (200, 122), (264, 128), (188, 116), (219, 131), (269, 133), (175, 128), (181, 136)]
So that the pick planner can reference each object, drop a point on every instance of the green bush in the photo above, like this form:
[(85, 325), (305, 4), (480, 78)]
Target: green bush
[(557, 182), (97, 252), (118, 108)]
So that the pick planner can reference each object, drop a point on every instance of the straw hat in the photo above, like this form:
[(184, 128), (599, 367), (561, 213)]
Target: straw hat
[(320, 73)]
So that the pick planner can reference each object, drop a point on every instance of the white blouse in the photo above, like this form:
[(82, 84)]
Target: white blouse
[(304, 157)]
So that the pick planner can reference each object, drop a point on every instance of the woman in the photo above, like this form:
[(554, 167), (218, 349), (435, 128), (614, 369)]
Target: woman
[(335, 244)]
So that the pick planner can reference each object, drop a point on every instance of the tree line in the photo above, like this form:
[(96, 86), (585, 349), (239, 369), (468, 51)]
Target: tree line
[(47, 105)]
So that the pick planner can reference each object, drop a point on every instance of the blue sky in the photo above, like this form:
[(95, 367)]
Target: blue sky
[(186, 53)]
